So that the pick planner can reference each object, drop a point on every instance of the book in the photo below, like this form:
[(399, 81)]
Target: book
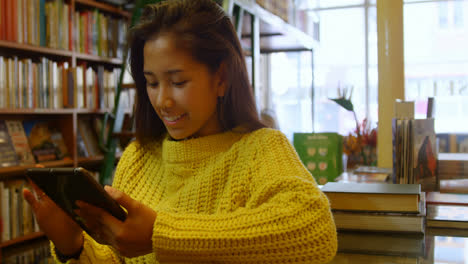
[(424, 154), (20, 142), (415, 153), (452, 165), (345, 258), (447, 216), (321, 153), (89, 137), (363, 178), (8, 156), (454, 186), (372, 170), (5, 211), (81, 146), (380, 197), (46, 140), (438, 198), (398, 244), (382, 221)]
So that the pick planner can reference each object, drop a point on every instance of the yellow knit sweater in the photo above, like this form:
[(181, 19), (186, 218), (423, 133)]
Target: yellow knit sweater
[(224, 198)]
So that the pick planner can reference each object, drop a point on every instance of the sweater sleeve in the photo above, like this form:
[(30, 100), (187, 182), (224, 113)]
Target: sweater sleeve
[(93, 252), (285, 219)]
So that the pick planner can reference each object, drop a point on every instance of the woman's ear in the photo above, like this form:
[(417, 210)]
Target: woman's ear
[(221, 83)]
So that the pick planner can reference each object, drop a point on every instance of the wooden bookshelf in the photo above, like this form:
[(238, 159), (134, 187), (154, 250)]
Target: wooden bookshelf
[(39, 50), (37, 111), (94, 58), (63, 111), (18, 47), (105, 7), (16, 171), (66, 119), (90, 160), (128, 86), (22, 239)]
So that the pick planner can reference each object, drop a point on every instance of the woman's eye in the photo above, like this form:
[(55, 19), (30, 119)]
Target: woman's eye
[(153, 85), (179, 83)]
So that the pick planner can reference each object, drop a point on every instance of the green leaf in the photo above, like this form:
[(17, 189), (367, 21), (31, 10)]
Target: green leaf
[(345, 103)]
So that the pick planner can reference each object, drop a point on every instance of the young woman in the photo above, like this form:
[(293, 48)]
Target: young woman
[(205, 181)]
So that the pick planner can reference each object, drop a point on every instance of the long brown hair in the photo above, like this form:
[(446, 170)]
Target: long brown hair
[(202, 28)]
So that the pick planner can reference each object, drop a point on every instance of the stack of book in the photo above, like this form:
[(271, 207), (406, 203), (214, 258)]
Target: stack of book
[(379, 219), (447, 210), (377, 206), (453, 166)]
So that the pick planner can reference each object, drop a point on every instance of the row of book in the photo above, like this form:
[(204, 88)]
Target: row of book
[(98, 34), (452, 143), (414, 147), (17, 217), (54, 24), (36, 22), (25, 83), (415, 153), (35, 252), (29, 142)]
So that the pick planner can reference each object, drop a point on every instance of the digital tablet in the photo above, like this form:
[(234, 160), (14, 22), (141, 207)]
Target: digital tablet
[(65, 186)]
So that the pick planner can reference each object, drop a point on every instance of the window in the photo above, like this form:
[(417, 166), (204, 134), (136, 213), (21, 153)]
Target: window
[(436, 61), (291, 90), (344, 59)]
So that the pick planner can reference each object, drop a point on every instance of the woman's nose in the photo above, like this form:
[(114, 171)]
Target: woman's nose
[(164, 99)]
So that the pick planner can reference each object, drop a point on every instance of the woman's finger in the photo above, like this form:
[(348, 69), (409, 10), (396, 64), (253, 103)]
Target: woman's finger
[(31, 199), (35, 189), (100, 223)]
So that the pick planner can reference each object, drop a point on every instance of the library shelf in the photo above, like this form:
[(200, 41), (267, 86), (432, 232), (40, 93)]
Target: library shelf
[(43, 111), (22, 239), (66, 119), (35, 49), (15, 171), (105, 7), (275, 33), (128, 86), (90, 160), (94, 58)]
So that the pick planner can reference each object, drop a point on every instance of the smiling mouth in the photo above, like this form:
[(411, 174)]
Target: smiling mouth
[(173, 118)]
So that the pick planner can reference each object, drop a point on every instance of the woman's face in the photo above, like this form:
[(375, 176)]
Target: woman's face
[(182, 91)]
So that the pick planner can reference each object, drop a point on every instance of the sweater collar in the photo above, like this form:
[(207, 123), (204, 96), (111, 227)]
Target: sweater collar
[(195, 149)]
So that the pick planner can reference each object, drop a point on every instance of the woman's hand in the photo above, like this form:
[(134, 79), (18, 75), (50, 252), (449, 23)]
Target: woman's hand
[(130, 238), (56, 224)]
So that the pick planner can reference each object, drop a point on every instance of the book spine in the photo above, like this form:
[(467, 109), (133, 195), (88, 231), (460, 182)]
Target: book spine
[(42, 23), (6, 234)]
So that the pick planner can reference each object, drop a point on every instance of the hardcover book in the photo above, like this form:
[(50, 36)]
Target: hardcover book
[(381, 197), (46, 140), (447, 216), (382, 221), (321, 153), (396, 244), (20, 142), (424, 154), (8, 155)]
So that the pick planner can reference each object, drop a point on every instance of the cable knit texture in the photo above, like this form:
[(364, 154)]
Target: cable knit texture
[(225, 198)]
